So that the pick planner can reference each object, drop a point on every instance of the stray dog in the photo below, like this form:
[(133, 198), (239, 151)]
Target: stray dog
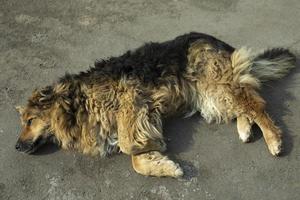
[(119, 104)]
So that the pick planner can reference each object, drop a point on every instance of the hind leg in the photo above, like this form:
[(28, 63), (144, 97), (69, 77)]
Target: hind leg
[(155, 164), (244, 128), (253, 107), (271, 133)]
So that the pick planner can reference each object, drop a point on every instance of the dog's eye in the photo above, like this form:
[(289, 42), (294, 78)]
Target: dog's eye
[(29, 122)]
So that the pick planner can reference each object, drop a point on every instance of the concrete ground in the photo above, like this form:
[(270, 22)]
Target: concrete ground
[(41, 40)]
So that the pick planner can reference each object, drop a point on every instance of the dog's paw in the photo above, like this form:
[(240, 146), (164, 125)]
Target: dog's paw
[(178, 172), (245, 136), (244, 129), (275, 147), (170, 168)]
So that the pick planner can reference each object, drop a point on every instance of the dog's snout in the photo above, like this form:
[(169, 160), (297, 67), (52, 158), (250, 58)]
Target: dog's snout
[(25, 146)]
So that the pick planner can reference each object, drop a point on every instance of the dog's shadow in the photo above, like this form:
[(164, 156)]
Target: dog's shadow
[(178, 133), (46, 149)]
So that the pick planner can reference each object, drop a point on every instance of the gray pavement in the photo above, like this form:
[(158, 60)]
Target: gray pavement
[(41, 40)]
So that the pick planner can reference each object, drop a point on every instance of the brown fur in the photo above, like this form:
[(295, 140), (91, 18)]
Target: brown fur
[(100, 114)]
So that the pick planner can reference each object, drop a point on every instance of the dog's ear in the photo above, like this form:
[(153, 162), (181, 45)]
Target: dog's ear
[(20, 109), (45, 95)]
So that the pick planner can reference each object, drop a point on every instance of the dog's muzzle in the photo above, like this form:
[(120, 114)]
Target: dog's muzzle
[(29, 146), (24, 146)]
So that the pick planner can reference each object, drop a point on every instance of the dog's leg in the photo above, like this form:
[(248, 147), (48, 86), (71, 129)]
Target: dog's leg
[(155, 164), (253, 106), (139, 130), (244, 128), (132, 140), (271, 133)]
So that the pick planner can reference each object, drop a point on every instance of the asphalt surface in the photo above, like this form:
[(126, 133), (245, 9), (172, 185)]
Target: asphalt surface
[(41, 40)]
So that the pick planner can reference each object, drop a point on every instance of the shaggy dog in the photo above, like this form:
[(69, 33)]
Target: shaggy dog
[(119, 104)]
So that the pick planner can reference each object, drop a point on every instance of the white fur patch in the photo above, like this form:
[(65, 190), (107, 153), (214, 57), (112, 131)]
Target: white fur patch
[(214, 107), (244, 136)]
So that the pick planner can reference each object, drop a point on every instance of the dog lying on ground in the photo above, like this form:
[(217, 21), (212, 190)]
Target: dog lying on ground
[(119, 104)]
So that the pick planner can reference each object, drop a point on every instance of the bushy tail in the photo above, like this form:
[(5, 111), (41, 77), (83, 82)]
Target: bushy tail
[(273, 64), (270, 65)]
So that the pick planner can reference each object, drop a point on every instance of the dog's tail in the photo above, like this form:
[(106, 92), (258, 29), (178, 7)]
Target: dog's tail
[(253, 69)]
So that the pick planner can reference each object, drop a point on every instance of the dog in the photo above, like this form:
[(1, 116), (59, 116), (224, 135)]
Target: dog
[(119, 104)]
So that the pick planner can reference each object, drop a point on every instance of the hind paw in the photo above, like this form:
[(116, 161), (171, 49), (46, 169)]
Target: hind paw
[(245, 136), (275, 147)]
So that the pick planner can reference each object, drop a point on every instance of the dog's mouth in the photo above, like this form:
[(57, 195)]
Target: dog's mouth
[(31, 150), (30, 147)]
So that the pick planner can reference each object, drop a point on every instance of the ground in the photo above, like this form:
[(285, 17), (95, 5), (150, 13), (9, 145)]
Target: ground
[(41, 40)]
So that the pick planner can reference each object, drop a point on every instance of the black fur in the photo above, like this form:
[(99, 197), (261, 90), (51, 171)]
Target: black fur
[(151, 62), (275, 53)]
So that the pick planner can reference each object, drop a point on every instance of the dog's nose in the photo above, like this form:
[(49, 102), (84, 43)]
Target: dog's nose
[(18, 146)]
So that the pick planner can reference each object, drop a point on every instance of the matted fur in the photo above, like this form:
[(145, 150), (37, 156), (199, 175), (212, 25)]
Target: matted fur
[(121, 102)]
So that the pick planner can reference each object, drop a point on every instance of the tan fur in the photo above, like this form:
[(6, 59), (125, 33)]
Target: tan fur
[(217, 84), (155, 164)]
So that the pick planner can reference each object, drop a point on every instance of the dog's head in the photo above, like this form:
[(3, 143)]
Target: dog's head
[(35, 120)]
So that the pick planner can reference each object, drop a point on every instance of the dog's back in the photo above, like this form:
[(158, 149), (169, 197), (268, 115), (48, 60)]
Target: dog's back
[(154, 61)]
